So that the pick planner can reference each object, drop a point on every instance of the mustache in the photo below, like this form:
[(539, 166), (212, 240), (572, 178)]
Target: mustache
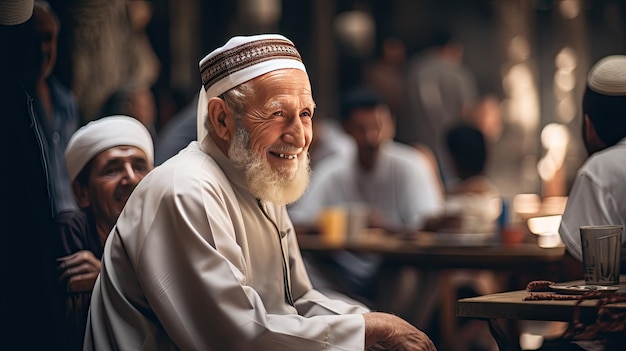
[(286, 149)]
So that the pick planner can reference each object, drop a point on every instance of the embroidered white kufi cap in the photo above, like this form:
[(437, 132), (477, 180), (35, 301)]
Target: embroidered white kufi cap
[(241, 59)]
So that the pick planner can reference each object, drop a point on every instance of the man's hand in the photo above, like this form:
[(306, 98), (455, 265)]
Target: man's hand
[(81, 266), (394, 333)]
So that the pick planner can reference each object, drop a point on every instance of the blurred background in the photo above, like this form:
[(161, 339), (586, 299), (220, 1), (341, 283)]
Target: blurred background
[(530, 57)]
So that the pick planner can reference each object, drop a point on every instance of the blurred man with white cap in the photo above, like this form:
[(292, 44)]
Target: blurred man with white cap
[(598, 193), (31, 303), (204, 256), (600, 186), (105, 159)]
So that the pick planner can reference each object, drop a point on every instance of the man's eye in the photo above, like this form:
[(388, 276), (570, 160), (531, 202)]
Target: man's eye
[(109, 171), (141, 168)]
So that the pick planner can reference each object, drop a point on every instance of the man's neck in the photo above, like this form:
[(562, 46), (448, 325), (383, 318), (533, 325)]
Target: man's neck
[(103, 232), (221, 144)]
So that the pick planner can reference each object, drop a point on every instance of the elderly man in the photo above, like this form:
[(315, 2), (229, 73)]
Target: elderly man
[(204, 256), (597, 196), (106, 159)]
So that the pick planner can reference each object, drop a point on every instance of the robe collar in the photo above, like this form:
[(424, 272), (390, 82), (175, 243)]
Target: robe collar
[(235, 175)]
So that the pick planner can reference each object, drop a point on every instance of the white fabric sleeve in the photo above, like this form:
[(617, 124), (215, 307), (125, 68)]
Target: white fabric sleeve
[(589, 203)]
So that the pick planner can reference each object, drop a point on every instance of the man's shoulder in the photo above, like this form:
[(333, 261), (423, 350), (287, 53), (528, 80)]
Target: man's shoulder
[(333, 167), (403, 154), (187, 171), (71, 218), (611, 159), (605, 170)]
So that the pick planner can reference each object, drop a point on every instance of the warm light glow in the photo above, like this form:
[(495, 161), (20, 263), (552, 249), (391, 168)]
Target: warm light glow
[(547, 229), (545, 225), (523, 106), (519, 50), (564, 80), (553, 205), (554, 138), (566, 59), (518, 79), (549, 240), (356, 30), (570, 9), (265, 12), (546, 167), (526, 203), (564, 84), (566, 109), (528, 341)]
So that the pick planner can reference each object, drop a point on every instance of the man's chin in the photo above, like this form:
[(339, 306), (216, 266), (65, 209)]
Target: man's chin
[(287, 175), (282, 188)]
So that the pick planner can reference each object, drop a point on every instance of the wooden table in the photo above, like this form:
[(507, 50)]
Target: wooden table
[(438, 258), (511, 306), (437, 251)]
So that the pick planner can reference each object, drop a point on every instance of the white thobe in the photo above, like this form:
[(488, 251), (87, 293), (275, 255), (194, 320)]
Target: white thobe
[(195, 262), (597, 196)]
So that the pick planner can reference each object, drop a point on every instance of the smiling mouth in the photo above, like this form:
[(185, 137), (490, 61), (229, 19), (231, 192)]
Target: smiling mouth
[(284, 156)]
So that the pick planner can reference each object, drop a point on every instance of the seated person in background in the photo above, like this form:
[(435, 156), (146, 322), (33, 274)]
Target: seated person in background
[(204, 256), (30, 295), (394, 181), (329, 141), (599, 190), (472, 205), (55, 106), (106, 159), (472, 202)]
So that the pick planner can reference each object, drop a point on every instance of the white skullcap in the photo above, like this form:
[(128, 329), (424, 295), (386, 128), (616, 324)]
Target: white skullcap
[(14, 12), (241, 59), (102, 134), (608, 76)]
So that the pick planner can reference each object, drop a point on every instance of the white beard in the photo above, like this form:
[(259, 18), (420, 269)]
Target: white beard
[(280, 187)]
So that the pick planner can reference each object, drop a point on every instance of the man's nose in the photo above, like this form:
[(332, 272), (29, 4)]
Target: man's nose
[(295, 134), (130, 175), (372, 136)]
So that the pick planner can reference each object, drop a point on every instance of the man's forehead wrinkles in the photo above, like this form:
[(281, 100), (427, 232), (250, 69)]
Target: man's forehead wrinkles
[(288, 101)]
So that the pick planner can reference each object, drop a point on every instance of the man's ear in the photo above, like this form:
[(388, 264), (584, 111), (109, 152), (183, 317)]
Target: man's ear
[(81, 194), (590, 129), (218, 116), (592, 140)]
